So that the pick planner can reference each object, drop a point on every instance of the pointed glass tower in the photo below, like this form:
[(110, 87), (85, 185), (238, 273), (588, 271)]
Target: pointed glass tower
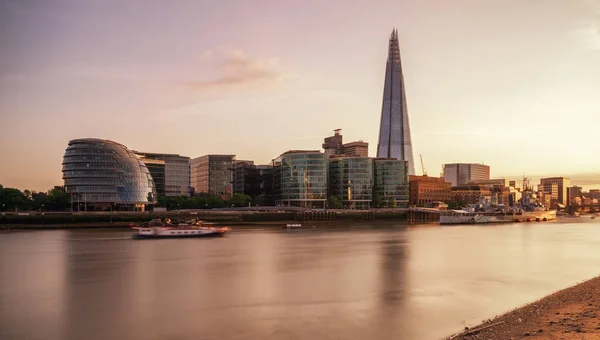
[(394, 129)]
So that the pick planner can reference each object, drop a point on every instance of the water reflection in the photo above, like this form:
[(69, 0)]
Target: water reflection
[(347, 283)]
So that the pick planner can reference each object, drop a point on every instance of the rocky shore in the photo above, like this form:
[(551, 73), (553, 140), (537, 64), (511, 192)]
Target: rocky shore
[(572, 313)]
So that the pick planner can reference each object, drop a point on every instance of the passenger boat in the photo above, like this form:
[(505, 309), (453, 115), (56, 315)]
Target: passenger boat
[(167, 229)]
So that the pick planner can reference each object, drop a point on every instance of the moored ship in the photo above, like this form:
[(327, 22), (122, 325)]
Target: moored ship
[(167, 229), (528, 209)]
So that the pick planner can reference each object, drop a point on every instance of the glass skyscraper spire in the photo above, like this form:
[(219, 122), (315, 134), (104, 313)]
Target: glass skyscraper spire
[(394, 129)]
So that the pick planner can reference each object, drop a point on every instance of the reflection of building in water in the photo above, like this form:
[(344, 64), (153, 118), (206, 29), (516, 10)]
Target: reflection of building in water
[(99, 286), (393, 289)]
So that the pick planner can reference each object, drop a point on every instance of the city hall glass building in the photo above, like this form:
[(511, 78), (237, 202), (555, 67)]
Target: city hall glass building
[(300, 179), (100, 175)]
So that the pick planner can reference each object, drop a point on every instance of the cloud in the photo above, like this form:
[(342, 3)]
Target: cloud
[(236, 69), (588, 32), (589, 35)]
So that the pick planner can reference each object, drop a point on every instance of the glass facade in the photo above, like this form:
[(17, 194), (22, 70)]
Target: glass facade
[(394, 129), (300, 179), (351, 180), (177, 172), (391, 183), (213, 175), (100, 172)]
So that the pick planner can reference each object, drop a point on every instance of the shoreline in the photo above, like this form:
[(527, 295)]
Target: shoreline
[(570, 313)]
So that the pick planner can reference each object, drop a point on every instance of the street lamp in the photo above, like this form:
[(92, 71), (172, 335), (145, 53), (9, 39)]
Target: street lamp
[(42, 207)]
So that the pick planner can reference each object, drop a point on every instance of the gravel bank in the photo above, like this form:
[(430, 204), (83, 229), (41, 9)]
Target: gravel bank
[(572, 313)]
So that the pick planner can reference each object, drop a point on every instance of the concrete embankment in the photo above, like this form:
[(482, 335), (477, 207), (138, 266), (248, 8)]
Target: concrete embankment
[(572, 313), (228, 217)]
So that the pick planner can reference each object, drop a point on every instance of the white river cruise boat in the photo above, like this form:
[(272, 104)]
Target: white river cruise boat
[(158, 229)]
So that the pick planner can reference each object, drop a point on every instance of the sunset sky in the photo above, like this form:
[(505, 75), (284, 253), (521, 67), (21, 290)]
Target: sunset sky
[(513, 84)]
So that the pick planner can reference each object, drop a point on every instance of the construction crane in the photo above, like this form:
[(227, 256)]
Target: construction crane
[(422, 166)]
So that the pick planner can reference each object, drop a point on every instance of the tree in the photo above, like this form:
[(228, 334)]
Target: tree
[(391, 203), (58, 199), (377, 202), (240, 200), (334, 202), (13, 199)]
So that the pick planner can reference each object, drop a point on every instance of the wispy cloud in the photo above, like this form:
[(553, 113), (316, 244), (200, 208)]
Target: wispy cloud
[(236, 68), (588, 33)]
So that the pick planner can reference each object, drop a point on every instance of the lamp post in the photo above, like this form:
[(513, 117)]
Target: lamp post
[(42, 207)]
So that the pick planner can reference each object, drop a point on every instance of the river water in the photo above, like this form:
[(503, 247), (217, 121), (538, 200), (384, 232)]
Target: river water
[(361, 281)]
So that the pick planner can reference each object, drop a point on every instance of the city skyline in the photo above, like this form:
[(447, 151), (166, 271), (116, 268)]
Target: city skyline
[(505, 83)]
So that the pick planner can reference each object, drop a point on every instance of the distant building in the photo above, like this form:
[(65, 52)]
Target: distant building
[(469, 194), (177, 172), (351, 179), (498, 182), (157, 170), (390, 183), (358, 149), (254, 180), (563, 183), (300, 179), (462, 173), (101, 174), (425, 190), (213, 175), (334, 146), (574, 191)]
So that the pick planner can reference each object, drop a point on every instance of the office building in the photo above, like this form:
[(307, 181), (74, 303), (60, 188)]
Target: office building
[(157, 171), (334, 146), (213, 175), (177, 172), (351, 180), (255, 181), (357, 149), (100, 174), (563, 183), (459, 174), (390, 177), (300, 179), (394, 129), (469, 194), (425, 190)]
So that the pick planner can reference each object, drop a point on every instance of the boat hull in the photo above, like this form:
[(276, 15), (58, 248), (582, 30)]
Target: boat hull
[(497, 218), (138, 236)]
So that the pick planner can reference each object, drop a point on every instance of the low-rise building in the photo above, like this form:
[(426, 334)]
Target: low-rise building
[(424, 190), (469, 194)]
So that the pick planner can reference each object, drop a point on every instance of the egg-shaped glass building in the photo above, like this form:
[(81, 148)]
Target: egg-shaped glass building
[(100, 174)]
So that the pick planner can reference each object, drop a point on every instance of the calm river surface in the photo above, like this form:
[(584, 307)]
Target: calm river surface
[(362, 281)]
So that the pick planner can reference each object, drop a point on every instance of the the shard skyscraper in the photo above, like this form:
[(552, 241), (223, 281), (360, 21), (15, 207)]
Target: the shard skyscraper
[(394, 129)]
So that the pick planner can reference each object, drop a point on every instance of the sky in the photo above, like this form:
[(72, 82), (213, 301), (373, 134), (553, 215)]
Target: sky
[(513, 84)]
